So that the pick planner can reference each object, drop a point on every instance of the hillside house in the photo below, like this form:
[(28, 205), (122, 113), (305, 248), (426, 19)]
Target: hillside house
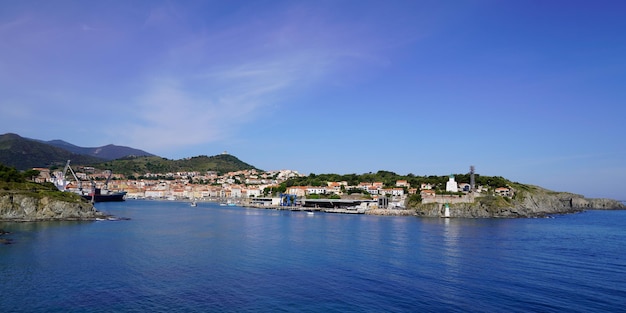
[(402, 183), (299, 191), (503, 191), (396, 192), (313, 190), (427, 193)]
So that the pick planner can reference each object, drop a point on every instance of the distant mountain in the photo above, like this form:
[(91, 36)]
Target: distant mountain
[(108, 152), (23, 153)]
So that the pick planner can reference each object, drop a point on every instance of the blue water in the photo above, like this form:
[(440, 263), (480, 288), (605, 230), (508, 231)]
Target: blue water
[(171, 257)]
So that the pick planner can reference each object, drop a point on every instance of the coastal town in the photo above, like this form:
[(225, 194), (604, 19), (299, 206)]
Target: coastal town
[(252, 187)]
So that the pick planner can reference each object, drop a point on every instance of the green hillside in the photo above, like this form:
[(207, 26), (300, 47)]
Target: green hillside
[(135, 166), (13, 182), (23, 153), (389, 179)]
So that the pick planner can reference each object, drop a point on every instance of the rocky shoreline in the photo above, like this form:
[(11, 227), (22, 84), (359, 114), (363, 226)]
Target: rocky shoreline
[(534, 202), (22, 207)]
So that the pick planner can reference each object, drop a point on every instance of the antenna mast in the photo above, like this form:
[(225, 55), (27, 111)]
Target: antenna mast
[(472, 181)]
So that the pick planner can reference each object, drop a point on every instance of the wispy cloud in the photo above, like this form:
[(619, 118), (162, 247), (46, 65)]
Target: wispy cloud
[(180, 78), (195, 109), (216, 80)]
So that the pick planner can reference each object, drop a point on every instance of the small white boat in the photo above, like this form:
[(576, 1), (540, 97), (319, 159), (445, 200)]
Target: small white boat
[(194, 204)]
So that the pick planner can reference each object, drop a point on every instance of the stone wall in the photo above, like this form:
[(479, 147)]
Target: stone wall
[(448, 199)]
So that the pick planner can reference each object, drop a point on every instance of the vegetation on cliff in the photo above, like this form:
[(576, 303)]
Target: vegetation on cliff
[(13, 181), (23, 200), (527, 201)]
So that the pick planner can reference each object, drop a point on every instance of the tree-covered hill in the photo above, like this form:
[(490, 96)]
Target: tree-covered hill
[(136, 166), (108, 152), (389, 179), (23, 153)]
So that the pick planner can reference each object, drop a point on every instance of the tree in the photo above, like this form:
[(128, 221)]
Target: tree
[(30, 174), (414, 199), (10, 174)]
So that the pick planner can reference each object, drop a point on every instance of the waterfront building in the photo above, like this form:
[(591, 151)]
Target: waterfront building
[(252, 192)]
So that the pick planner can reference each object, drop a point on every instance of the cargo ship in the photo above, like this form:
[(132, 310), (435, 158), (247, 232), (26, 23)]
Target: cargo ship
[(93, 194)]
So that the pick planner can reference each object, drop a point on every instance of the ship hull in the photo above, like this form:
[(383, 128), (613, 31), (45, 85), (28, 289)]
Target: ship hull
[(105, 198)]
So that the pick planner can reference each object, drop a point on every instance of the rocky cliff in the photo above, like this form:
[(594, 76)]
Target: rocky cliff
[(528, 201), (25, 207)]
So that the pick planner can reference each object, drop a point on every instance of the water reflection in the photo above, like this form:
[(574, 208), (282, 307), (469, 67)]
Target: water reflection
[(451, 250)]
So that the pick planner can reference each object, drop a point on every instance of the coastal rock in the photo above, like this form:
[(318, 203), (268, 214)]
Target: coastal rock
[(4, 241), (596, 204), (24, 207), (528, 202)]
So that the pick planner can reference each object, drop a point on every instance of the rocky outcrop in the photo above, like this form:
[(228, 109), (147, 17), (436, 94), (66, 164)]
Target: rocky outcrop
[(25, 207), (528, 202), (4, 241), (596, 204)]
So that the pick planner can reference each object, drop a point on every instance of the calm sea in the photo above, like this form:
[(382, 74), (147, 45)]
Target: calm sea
[(171, 257)]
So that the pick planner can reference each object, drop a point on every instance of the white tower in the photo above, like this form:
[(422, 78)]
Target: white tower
[(451, 185)]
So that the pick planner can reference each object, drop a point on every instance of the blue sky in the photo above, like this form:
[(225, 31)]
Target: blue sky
[(534, 91)]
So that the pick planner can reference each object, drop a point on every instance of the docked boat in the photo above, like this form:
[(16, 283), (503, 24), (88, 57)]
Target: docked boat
[(105, 195), (228, 203), (93, 194)]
